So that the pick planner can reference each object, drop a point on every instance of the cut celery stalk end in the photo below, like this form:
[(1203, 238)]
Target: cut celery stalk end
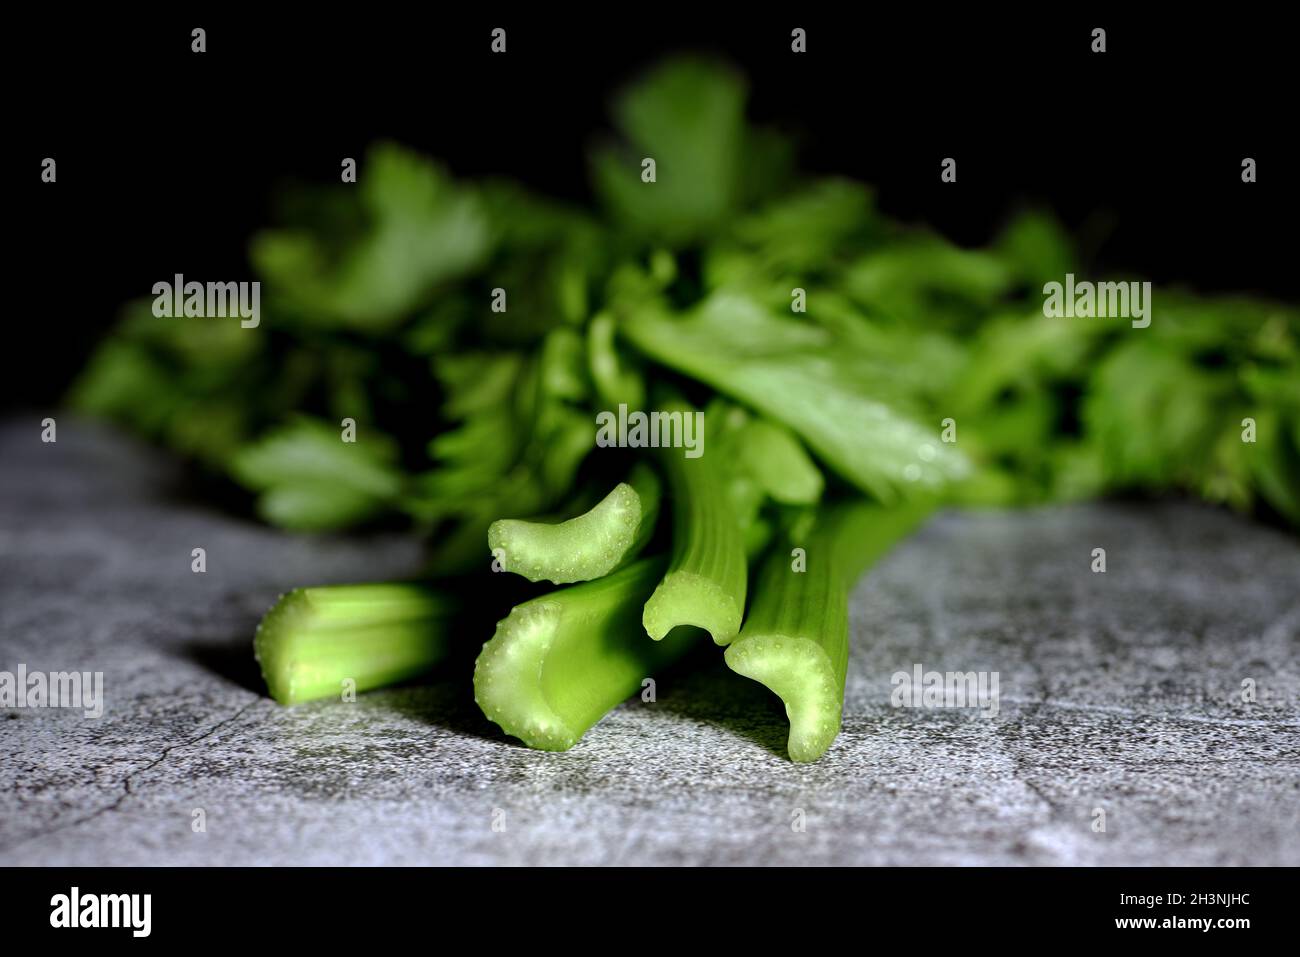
[(503, 685), (684, 598), (557, 664), (802, 675), (707, 575), (314, 640), (796, 638), (589, 546)]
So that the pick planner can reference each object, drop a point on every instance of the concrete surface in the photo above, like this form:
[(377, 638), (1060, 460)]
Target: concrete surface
[(1119, 691)]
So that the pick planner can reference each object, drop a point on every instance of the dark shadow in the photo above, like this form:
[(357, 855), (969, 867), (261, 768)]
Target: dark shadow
[(445, 699), (230, 659), (698, 688), (702, 688)]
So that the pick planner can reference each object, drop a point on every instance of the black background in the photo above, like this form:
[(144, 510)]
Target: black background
[(334, 909), (167, 159)]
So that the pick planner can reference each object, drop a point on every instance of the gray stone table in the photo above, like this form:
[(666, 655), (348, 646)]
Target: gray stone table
[(1119, 692)]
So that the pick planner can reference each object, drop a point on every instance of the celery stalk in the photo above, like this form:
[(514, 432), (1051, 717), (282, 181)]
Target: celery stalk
[(796, 638), (706, 579), (558, 663), (589, 546), (314, 639)]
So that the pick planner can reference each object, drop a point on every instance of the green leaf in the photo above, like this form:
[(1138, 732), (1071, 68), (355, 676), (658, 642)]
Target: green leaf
[(1155, 415), (421, 230), (798, 375), (810, 230), (311, 480), (688, 116)]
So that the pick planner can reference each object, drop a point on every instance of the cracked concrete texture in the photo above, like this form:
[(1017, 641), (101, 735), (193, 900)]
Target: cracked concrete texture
[(1119, 692)]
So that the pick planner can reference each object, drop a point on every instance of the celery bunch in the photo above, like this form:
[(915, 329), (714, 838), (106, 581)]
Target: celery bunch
[(852, 374)]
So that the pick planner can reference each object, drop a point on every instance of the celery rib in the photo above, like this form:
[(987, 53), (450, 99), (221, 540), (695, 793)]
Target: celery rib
[(593, 544), (796, 638), (778, 462), (706, 579), (616, 381), (558, 663), (314, 639)]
